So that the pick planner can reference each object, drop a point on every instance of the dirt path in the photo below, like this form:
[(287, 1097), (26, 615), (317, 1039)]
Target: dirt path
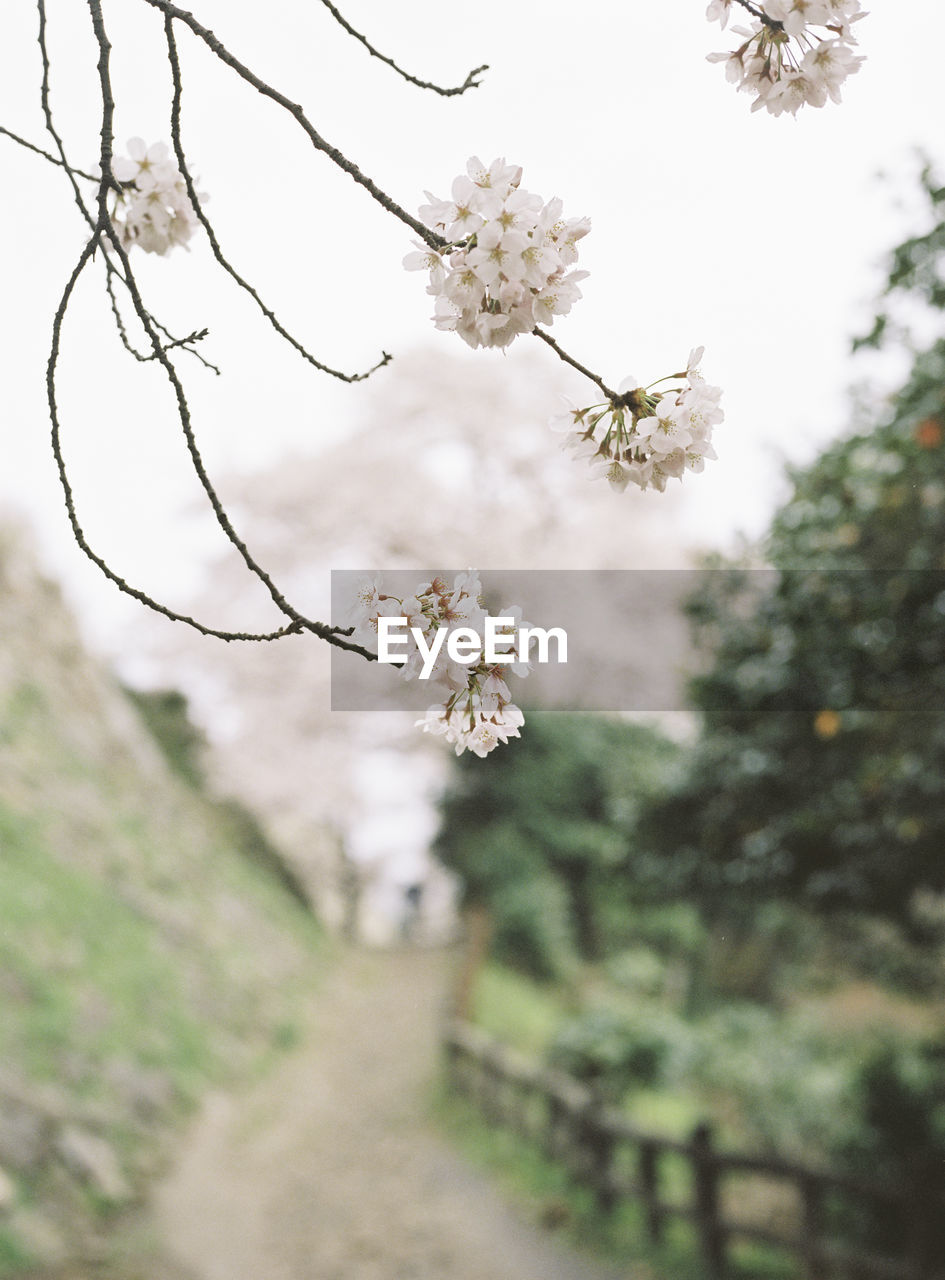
[(330, 1169)]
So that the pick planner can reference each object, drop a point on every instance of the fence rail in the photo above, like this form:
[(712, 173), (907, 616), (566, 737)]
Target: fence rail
[(604, 1151)]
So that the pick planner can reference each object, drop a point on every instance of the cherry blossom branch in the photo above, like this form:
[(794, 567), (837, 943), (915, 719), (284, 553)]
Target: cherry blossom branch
[(114, 236), (298, 114), (102, 230), (298, 623), (469, 83), (211, 234), (172, 12), (760, 14), (77, 529), (801, 57), (185, 343), (70, 170), (612, 396)]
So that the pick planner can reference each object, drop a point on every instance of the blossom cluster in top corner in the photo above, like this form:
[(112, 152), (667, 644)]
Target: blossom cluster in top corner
[(153, 209), (507, 262), (792, 52)]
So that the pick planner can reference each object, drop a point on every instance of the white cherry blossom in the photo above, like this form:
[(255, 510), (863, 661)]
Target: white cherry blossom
[(646, 436), (476, 712), (505, 267), (152, 209), (798, 54)]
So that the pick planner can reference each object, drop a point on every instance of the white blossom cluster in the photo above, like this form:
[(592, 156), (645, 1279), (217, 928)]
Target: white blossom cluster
[(646, 437), (506, 268), (476, 711), (153, 209), (802, 54)]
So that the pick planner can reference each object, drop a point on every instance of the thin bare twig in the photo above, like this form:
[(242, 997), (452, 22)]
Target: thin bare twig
[(294, 627), (469, 83), (104, 237), (172, 342), (298, 114), (613, 396), (70, 170), (48, 118), (30, 146), (211, 234), (171, 11), (77, 529), (102, 229)]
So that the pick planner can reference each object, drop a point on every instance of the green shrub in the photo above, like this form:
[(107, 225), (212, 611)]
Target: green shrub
[(532, 932), (639, 970), (791, 1087), (900, 1140), (612, 1053)]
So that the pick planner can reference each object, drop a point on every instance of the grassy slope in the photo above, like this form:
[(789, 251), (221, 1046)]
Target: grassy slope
[(137, 943)]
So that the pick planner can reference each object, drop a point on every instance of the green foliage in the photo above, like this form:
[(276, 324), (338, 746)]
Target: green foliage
[(167, 717), (900, 1091), (780, 1081), (789, 1081), (545, 1192), (14, 1259), (78, 965), (531, 931), (165, 713), (820, 775), (542, 834), (674, 930), (611, 1053), (516, 1010), (639, 970), (916, 267)]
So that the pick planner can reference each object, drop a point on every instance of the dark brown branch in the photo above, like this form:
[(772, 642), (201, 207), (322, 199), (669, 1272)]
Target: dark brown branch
[(185, 344), (103, 228), (297, 112), (294, 627), (90, 177), (612, 396), (760, 14), (77, 530), (48, 117), (172, 342), (72, 172), (211, 234), (469, 83)]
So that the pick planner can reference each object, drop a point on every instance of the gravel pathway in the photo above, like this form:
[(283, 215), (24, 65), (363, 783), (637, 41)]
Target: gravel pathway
[(330, 1170)]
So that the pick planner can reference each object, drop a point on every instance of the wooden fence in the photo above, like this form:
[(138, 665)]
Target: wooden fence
[(602, 1150)]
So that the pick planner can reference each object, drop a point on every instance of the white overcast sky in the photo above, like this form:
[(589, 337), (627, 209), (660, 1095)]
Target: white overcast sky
[(761, 238)]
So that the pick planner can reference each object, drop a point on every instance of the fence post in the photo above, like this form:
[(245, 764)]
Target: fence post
[(706, 1186), (555, 1123), (599, 1141), (921, 1222), (812, 1226), (650, 1189), (451, 1061), (492, 1076)]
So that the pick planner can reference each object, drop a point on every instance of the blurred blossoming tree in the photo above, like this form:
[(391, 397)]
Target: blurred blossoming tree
[(500, 259)]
